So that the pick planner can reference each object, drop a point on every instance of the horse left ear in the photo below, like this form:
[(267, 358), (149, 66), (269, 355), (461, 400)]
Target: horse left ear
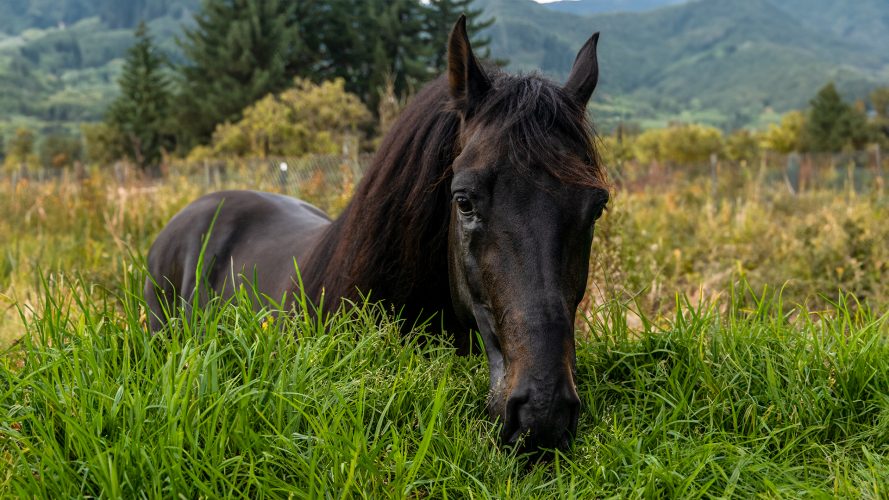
[(585, 73), (468, 81)]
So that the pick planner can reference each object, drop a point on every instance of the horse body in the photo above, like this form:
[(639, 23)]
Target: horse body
[(478, 207), (247, 237)]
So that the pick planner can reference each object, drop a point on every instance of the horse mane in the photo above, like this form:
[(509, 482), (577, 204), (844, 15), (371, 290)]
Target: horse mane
[(391, 240)]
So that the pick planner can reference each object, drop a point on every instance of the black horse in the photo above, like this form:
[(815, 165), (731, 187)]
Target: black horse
[(479, 206)]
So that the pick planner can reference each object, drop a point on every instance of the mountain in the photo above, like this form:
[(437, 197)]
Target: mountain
[(60, 59), (725, 62), (587, 7), (862, 22), (20, 15)]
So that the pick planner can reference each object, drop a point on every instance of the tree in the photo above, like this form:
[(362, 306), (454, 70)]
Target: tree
[(787, 136), (833, 125), (142, 111), (679, 144), (879, 99), (742, 146), (20, 151), (237, 52), (102, 143), (691, 144), (242, 50), (304, 119), (368, 43), (648, 146), (60, 150), (440, 18)]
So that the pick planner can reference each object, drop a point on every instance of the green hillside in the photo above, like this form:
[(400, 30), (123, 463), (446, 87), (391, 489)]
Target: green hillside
[(862, 22), (587, 7), (60, 59), (726, 62)]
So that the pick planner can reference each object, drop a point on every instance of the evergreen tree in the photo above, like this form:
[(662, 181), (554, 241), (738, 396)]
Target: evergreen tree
[(242, 50), (880, 100), (832, 124), (238, 52), (440, 18), (141, 113), (369, 42)]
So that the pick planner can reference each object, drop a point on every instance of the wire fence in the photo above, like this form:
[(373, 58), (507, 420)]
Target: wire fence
[(856, 171), (335, 175)]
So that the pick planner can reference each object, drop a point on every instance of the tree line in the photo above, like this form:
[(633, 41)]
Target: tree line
[(276, 77), (829, 125), (241, 51)]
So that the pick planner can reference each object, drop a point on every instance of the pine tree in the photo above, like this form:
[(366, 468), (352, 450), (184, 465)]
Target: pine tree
[(238, 52), (440, 18), (833, 124), (368, 42), (141, 113)]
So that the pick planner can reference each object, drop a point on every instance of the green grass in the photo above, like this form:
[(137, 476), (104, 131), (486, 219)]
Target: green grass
[(717, 401)]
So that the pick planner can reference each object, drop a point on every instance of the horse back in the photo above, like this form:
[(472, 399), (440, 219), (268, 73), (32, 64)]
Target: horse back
[(237, 237)]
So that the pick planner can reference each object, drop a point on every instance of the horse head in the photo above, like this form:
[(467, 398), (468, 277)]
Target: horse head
[(526, 190)]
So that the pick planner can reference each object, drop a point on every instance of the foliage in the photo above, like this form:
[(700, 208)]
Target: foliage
[(235, 402), (440, 20), (102, 142), (304, 119), (20, 15), (141, 113), (730, 64), (60, 150), (731, 392), (20, 151), (833, 125), (679, 144), (787, 136), (880, 100), (742, 146), (237, 52)]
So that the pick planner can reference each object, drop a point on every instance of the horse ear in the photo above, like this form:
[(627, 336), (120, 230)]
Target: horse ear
[(585, 73), (468, 81)]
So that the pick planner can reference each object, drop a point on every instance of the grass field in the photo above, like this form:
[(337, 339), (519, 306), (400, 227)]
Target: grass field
[(735, 391)]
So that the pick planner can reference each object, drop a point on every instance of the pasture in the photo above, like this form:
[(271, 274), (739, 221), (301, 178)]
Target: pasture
[(729, 347)]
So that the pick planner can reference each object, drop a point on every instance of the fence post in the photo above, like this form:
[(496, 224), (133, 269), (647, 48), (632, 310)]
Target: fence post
[(880, 178), (714, 179), (282, 176)]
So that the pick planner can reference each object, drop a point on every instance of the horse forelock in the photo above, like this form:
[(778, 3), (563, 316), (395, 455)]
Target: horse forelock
[(529, 113)]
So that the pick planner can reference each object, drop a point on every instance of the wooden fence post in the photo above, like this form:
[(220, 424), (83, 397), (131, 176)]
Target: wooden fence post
[(880, 178), (714, 178)]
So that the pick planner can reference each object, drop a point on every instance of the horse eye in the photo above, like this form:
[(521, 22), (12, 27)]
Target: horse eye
[(464, 205)]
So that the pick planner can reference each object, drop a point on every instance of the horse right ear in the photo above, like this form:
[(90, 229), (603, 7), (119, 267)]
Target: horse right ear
[(468, 81), (585, 73)]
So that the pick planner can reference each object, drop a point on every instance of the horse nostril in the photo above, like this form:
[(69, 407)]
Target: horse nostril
[(539, 423), (512, 425)]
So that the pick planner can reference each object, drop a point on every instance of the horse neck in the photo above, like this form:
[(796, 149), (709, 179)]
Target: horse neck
[(391, 241)]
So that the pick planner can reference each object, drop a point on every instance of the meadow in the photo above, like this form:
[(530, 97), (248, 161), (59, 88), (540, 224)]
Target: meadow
[(733, 343)]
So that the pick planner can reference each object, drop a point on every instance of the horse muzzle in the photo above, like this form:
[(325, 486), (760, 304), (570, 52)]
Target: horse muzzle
[(540, 415)]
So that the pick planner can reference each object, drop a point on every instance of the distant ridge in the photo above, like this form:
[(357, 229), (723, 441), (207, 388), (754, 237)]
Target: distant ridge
[(730, 63), (587, 7)]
